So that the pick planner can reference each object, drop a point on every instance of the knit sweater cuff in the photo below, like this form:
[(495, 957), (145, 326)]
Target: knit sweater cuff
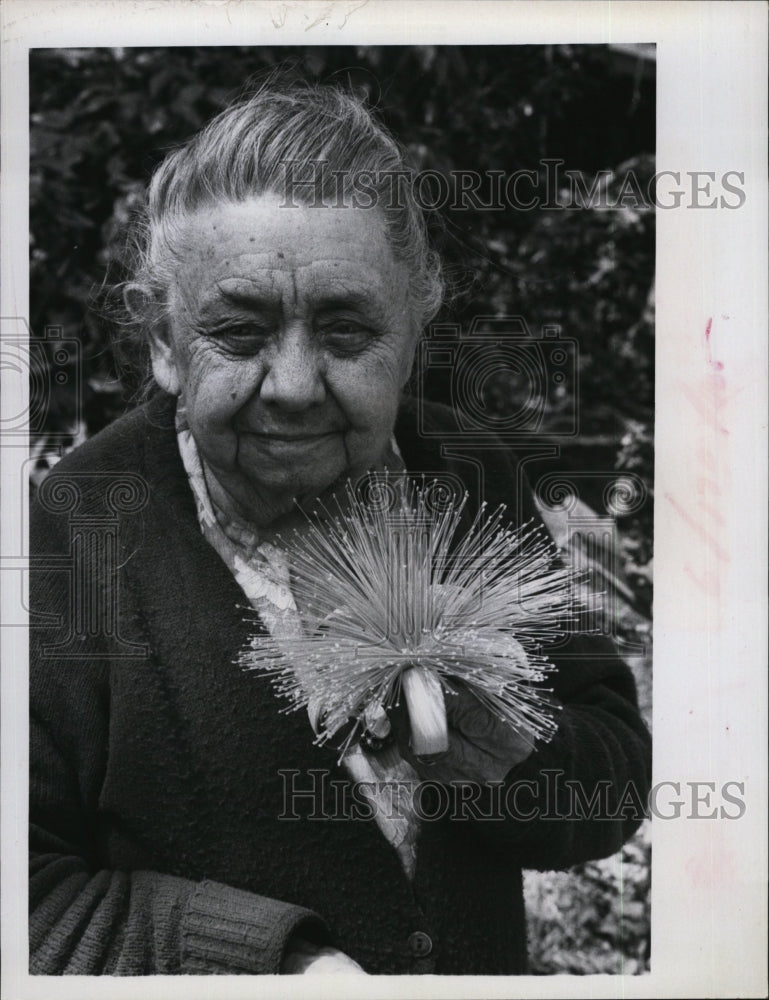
[(227, 930)]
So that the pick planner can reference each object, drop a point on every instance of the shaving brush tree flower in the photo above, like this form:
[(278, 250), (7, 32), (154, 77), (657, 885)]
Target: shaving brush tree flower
[(395, 600)]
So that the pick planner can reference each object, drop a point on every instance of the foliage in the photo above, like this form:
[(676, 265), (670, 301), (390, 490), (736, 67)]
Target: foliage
[(594, 919), (102, 119)]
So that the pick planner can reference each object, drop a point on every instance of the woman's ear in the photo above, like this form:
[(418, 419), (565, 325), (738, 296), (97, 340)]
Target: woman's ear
[(164, 368), (408, 371)]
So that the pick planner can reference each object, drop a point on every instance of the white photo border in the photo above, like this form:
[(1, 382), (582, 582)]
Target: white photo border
[(709, 917)]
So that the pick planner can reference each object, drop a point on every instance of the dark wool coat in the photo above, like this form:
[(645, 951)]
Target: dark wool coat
[(161, 838)]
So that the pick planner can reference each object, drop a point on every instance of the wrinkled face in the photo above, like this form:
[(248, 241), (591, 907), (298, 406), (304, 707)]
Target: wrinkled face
[(289, 341)]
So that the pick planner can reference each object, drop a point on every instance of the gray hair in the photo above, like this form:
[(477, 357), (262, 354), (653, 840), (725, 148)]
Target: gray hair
[(315, 143)]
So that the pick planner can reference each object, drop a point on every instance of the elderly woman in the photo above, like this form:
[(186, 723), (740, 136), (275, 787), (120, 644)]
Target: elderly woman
[(179, 819)]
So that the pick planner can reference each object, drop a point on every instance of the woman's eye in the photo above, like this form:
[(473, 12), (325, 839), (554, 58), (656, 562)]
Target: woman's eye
[(346, 336), (241, 339)]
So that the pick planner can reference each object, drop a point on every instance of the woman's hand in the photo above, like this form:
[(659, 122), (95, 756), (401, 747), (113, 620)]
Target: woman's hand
[(302, 957), (482, 748)]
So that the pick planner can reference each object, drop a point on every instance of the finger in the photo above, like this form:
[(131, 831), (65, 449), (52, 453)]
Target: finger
[(480, 727), (471, 718), (481, 746)]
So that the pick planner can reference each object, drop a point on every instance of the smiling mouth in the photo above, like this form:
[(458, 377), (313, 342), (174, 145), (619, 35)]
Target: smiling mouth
[(289, 438)]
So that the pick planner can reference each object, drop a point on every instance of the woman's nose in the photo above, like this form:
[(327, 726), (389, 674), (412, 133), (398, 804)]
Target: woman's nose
[(294, 379)]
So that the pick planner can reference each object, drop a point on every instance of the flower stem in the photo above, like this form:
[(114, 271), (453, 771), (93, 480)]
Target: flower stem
[(427, 711)]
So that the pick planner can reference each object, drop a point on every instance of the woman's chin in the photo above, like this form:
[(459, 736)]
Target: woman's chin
[(278, 496), (272, 487)]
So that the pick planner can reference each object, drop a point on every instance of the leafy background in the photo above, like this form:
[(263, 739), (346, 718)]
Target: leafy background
[(101, 120)]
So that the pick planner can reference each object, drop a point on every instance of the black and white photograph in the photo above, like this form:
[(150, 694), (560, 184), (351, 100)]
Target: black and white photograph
[(372, 510)]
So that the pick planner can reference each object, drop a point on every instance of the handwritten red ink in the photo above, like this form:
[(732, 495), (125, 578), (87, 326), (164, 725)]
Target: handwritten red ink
[(703, 512), (719, 551), (717, 366), (707, 405)]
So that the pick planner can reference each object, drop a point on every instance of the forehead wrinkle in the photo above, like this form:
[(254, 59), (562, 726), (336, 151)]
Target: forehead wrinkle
[(278, 279), (264, 295), (321, 292), (255, 263), (355, 285)]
